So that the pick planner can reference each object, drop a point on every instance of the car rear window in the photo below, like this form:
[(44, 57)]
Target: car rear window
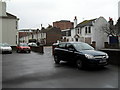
[(23, 44), (62, 45)]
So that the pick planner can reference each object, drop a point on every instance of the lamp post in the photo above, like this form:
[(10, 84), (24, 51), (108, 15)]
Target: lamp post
[(37, 31)]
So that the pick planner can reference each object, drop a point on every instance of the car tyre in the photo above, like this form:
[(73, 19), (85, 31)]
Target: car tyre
[(29, 51), (79, 64), (56, 59), (18, 51)]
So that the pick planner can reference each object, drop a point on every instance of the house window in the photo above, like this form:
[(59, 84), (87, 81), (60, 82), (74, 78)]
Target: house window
[(32, 36), (16, 25), (16, 39), (86, 30), (89, 30), (67, 33), (78, 31), (41, 35)]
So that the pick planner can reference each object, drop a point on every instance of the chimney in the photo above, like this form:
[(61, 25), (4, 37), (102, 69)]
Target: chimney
[(75, 22), (2, 8)]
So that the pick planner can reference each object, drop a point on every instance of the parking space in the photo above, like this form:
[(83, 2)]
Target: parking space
[(35, 70)]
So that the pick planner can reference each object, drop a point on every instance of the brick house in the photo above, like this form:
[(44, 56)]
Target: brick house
[(50, 35), (63, 24), (27, 34)]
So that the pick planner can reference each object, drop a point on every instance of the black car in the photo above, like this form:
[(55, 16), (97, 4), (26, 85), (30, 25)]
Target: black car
[(81, 53)]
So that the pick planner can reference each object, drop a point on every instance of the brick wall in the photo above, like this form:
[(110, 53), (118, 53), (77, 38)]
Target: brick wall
[(53, 37), (63, 25)]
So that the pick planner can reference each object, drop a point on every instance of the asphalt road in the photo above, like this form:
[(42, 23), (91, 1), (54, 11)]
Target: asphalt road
[(22, 70)]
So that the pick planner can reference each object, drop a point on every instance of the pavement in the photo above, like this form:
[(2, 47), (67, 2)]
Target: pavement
[(34, 70)]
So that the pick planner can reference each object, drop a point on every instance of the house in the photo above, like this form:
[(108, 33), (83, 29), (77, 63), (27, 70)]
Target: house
[(63, 24), (8, 26), (66, 35), (119, 9), (28, 35), (91, 31), (44, 36), (115, 40), (50, 35)]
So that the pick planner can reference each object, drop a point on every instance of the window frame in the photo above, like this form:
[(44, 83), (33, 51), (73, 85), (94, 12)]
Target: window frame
[(86, 30), (89, 29)]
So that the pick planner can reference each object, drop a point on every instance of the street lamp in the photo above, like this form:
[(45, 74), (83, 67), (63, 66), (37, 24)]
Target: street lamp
[(37, 31)]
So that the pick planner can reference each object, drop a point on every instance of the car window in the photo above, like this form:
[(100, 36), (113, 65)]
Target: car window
[(62, 45), (5, 45), (69, 46), (0, 44), (23, 44), (32, 44), (82, 46)]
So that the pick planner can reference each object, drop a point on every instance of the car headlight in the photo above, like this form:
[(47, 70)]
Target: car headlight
[(10, 49), (107, 56), (89, 56), (1, 48)]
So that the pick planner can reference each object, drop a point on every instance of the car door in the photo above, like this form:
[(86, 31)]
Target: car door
[(70, 55), (61, 51)]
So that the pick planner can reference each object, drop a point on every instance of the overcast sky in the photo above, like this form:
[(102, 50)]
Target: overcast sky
[(33, 13)]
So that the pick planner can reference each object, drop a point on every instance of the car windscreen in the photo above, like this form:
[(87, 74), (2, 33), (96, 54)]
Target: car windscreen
[(0, 44), (32, 44), (24, 45), (82, 46), (5, 45)]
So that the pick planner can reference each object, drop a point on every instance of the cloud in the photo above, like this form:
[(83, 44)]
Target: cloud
[(32, 13)]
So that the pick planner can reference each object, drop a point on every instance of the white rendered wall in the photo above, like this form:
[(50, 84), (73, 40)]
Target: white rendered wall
[(9, 31), (98, 35), (118, 9)]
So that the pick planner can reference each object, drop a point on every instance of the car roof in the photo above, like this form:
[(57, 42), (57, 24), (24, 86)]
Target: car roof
[(71, 42), (23, 43)]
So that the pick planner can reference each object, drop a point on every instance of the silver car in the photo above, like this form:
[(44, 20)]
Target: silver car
[(5, 48), (32, 44)]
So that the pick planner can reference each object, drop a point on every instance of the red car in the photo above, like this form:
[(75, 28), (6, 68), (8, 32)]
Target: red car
[(23, 47)]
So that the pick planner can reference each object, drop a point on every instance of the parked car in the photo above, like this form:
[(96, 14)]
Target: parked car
[(5, 48), (23, 47), (32, 44), (55, 44), (80, 53)]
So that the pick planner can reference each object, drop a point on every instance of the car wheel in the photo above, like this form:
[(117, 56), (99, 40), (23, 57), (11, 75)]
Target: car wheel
[(29, 51), (79, 64), (17, 51), (57, 61)]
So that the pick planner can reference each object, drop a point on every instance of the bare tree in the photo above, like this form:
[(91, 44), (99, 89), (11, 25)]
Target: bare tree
[(118, 26), (110, 29)]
